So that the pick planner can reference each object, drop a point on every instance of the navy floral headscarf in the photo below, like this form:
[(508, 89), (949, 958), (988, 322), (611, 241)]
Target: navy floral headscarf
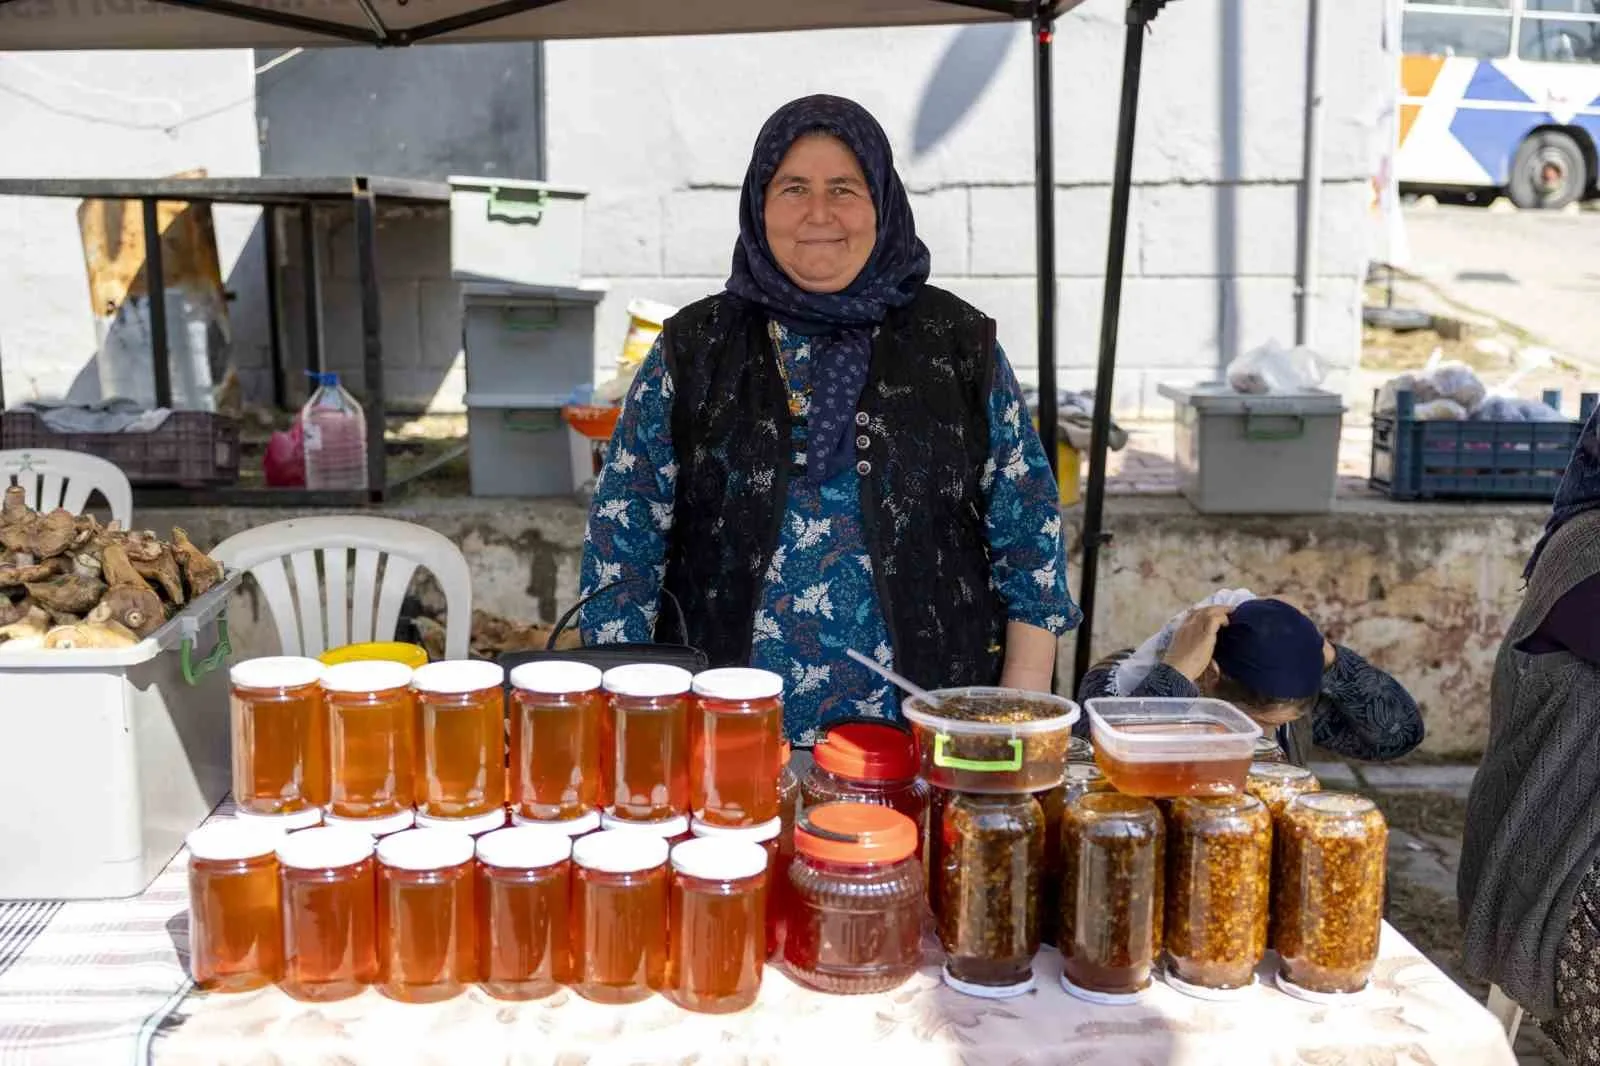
[(841, 323), (1580, 487)]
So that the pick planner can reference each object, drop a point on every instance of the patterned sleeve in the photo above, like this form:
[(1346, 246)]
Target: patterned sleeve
[(631, 515), (1028, 560), (1363, 713)]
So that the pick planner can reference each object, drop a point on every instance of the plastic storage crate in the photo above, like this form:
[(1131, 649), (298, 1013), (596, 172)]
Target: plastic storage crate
[(110, 757), (521, 338), (518, 446), (528, 232), (1470, 460), (192, 449)]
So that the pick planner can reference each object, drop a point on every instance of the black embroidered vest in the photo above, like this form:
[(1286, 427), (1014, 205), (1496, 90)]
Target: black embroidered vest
[(921, 448)]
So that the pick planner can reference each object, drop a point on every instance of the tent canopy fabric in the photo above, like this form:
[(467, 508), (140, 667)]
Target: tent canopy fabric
[(104, 24)]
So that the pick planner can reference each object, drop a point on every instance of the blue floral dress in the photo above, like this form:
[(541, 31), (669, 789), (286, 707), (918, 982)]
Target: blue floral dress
[(819, 598)]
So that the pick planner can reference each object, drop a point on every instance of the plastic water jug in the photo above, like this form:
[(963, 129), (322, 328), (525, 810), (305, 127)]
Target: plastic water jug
[(335, 432)]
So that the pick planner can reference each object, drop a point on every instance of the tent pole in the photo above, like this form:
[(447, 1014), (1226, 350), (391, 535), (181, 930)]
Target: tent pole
[(1044, 189), (1140, 14)]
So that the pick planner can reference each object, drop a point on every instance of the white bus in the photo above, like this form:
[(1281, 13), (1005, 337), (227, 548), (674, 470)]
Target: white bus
[(1501, 95)]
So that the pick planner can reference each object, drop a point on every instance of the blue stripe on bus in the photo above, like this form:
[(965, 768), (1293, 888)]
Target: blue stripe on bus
[(1489, 84), (1492, 137)]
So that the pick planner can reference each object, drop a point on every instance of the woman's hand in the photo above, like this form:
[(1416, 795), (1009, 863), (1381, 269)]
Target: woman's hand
[(1195, 643)]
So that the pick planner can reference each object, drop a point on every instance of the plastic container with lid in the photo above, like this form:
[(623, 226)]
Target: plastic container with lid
[(1080, 778), (996, 740), (649, 753), (556, 718), (475, 826), (855, 898), (717, 917), (736, 746), (524, 904), (1112, 852), (371, 739), (461, 739), (991, 859), (770, 838), (868, 762), (280, 735), (427, 924), (329, 913), (619, 916), (1328, 893), (1161, 748), (674, 829), (235, 925), (1219, 868)]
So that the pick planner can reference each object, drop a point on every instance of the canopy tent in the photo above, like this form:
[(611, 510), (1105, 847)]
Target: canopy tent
[(118, 24)]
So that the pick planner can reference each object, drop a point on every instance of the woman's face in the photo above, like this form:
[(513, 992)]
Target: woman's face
[(821, 224)]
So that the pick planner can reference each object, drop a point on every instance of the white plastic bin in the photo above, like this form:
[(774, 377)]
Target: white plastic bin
[(528, 232), (108, 758), (525, 338)]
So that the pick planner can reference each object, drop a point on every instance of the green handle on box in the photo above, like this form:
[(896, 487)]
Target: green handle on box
[(982, 766), (521, 206), (1253, 432), (194, 671)]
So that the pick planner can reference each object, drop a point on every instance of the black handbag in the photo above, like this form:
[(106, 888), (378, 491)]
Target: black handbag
[(605, 656)]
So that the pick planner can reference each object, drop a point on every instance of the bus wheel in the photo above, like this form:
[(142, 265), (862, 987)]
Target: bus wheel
[(1549, 172)]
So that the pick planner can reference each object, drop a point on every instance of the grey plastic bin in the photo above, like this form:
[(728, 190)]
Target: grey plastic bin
[(1240, 454), (529, 232), (528, 339), (518, 445)]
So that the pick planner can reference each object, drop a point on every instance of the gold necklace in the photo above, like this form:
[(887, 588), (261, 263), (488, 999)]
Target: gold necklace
[(797, 400)]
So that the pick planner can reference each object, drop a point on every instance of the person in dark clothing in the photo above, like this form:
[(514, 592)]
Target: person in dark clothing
[(1272, 662)]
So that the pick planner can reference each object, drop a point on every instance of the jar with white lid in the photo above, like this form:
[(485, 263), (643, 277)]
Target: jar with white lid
[(619, 915), (649, 758), (737, 745), (372, 738), (524, 904), (769, 835), (717, 919), (427, 917), (235, 925), (556, 722), (461, 764), (330, 913), (280, 735)]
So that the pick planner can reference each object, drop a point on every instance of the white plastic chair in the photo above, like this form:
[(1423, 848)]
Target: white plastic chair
[(369, 612), (54, 478), (1505, 1011)]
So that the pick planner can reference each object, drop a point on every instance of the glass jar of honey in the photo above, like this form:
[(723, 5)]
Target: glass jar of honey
[(619, 916), (329, 913), (737, 746), (235, 925), (868, 762), (371, 739), (524, 903), (557, 711), (427, 924), (461, 740), (855, 898), (474, 826), (1328, 895), (1112, 852), (991, 857), (1080, 778), (717, 917), (649, 757), (376, 828), (280, 735), (1219, 867), (770, 837), (674, 829)]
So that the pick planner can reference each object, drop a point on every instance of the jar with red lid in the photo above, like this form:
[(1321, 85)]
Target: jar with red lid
[(524, 905), (371, 739), (855, 899), (619, 916), (427, 920), (868, 762), (736, 745), (280, 735), (717, 919), (770, 838), (674, 829), (461, 740), (556, 722), (329, 913), (649, 752), (235, 924)]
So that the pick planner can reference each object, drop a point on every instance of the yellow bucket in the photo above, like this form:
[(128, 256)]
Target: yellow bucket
[(1069, 472), (391, 651), (645, 319)]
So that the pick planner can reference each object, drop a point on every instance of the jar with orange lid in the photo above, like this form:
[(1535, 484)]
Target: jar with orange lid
[(524, 902), (330, 913), (737, 746), (556, 716), (427, 915), (461, 740), (619, 915), (1111, 855), (717, 918), (371, 739), (859, 761), (855, 899), (235, 926), (1328, 893), (770, 837), (673, 829), (649, 754), (280, 735)]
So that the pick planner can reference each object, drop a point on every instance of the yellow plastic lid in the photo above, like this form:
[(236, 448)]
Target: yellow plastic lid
[(388, 651)]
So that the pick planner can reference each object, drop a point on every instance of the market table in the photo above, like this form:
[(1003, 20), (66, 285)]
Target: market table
[(106, 982)]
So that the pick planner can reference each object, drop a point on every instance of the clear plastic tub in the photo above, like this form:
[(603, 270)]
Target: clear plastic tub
[(995, 740), (1163, 748)]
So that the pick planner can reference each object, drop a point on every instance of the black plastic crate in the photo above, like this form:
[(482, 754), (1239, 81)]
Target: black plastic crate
[(1418, 460)]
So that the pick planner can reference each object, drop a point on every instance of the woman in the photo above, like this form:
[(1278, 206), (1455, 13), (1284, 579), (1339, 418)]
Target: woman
[(1529, 884), (832, 454), (1268, 659)]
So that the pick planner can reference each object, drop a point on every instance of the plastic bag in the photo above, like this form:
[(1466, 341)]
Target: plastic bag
[(285, 461), (1274, 368)]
